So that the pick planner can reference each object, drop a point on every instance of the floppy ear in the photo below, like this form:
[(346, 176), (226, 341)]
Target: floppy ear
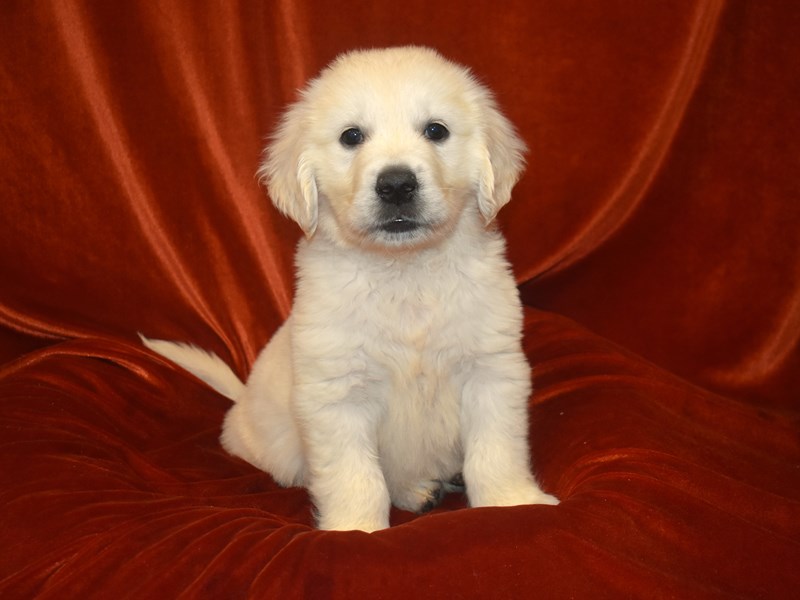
[(503, 161), (288, 173)]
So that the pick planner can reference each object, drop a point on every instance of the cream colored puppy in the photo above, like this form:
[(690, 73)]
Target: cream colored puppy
[(400, 367)]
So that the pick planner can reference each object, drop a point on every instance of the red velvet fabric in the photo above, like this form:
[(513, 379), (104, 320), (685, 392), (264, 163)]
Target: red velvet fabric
[(654, 235)]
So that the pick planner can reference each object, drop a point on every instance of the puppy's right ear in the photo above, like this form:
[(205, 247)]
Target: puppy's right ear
[(288, 173)]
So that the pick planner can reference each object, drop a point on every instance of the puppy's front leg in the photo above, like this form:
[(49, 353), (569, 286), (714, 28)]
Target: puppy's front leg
[(494, 426), (345, 477)]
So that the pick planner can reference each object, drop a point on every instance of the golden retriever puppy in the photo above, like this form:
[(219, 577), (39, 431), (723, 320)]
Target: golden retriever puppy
[(400, 372)]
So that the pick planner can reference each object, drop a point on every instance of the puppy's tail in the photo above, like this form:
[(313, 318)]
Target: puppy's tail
[(207, 366)]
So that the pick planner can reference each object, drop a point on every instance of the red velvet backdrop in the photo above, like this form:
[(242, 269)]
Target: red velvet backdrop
[(655, 237)]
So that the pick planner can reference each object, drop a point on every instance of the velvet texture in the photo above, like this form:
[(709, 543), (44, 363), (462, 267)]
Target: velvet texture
[(654, 235)]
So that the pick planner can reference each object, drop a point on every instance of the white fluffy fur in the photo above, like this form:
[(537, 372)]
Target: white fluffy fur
[(401, 365)]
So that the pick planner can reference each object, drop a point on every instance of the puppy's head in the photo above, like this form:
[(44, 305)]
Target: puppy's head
[(392, 148)]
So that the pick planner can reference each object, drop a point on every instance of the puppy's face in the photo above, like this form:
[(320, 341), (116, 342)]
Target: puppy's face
[(389, 148)]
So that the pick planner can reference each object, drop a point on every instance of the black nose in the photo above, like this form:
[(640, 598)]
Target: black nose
[(396, 185)]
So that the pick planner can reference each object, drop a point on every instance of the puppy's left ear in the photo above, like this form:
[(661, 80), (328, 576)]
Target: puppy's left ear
[(503, 161), (287, 171)]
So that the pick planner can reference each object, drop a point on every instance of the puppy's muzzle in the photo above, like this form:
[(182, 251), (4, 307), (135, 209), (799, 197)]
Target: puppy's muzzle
[(397, 189)]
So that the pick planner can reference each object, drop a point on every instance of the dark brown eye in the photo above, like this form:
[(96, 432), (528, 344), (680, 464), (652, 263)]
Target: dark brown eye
[(436, 132), (351, 137)]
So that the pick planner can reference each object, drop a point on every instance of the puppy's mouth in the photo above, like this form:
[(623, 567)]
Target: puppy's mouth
[(399, 219), (399, 225)]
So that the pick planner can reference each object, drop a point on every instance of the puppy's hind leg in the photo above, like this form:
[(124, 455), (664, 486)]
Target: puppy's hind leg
[(260, 428), (268, 440)]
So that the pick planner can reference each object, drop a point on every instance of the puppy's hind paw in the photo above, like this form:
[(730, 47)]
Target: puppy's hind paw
[(456, 483), (435, 496), (421, 497)]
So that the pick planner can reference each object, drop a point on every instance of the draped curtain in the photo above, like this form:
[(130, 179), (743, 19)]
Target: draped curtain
[(655, 237)]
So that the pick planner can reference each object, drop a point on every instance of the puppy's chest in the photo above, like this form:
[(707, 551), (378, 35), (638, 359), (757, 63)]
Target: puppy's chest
[(419, 343), (414, 321)]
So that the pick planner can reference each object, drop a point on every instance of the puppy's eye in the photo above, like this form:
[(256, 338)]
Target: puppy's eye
[(436, 132), (351, 137)]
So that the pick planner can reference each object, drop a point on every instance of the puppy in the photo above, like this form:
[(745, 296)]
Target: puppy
[(400, 372)]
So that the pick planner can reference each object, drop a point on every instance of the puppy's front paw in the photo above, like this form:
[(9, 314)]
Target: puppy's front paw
[(421, 496), (509, 495), (350, 523), (547, 499), (346, 512)]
